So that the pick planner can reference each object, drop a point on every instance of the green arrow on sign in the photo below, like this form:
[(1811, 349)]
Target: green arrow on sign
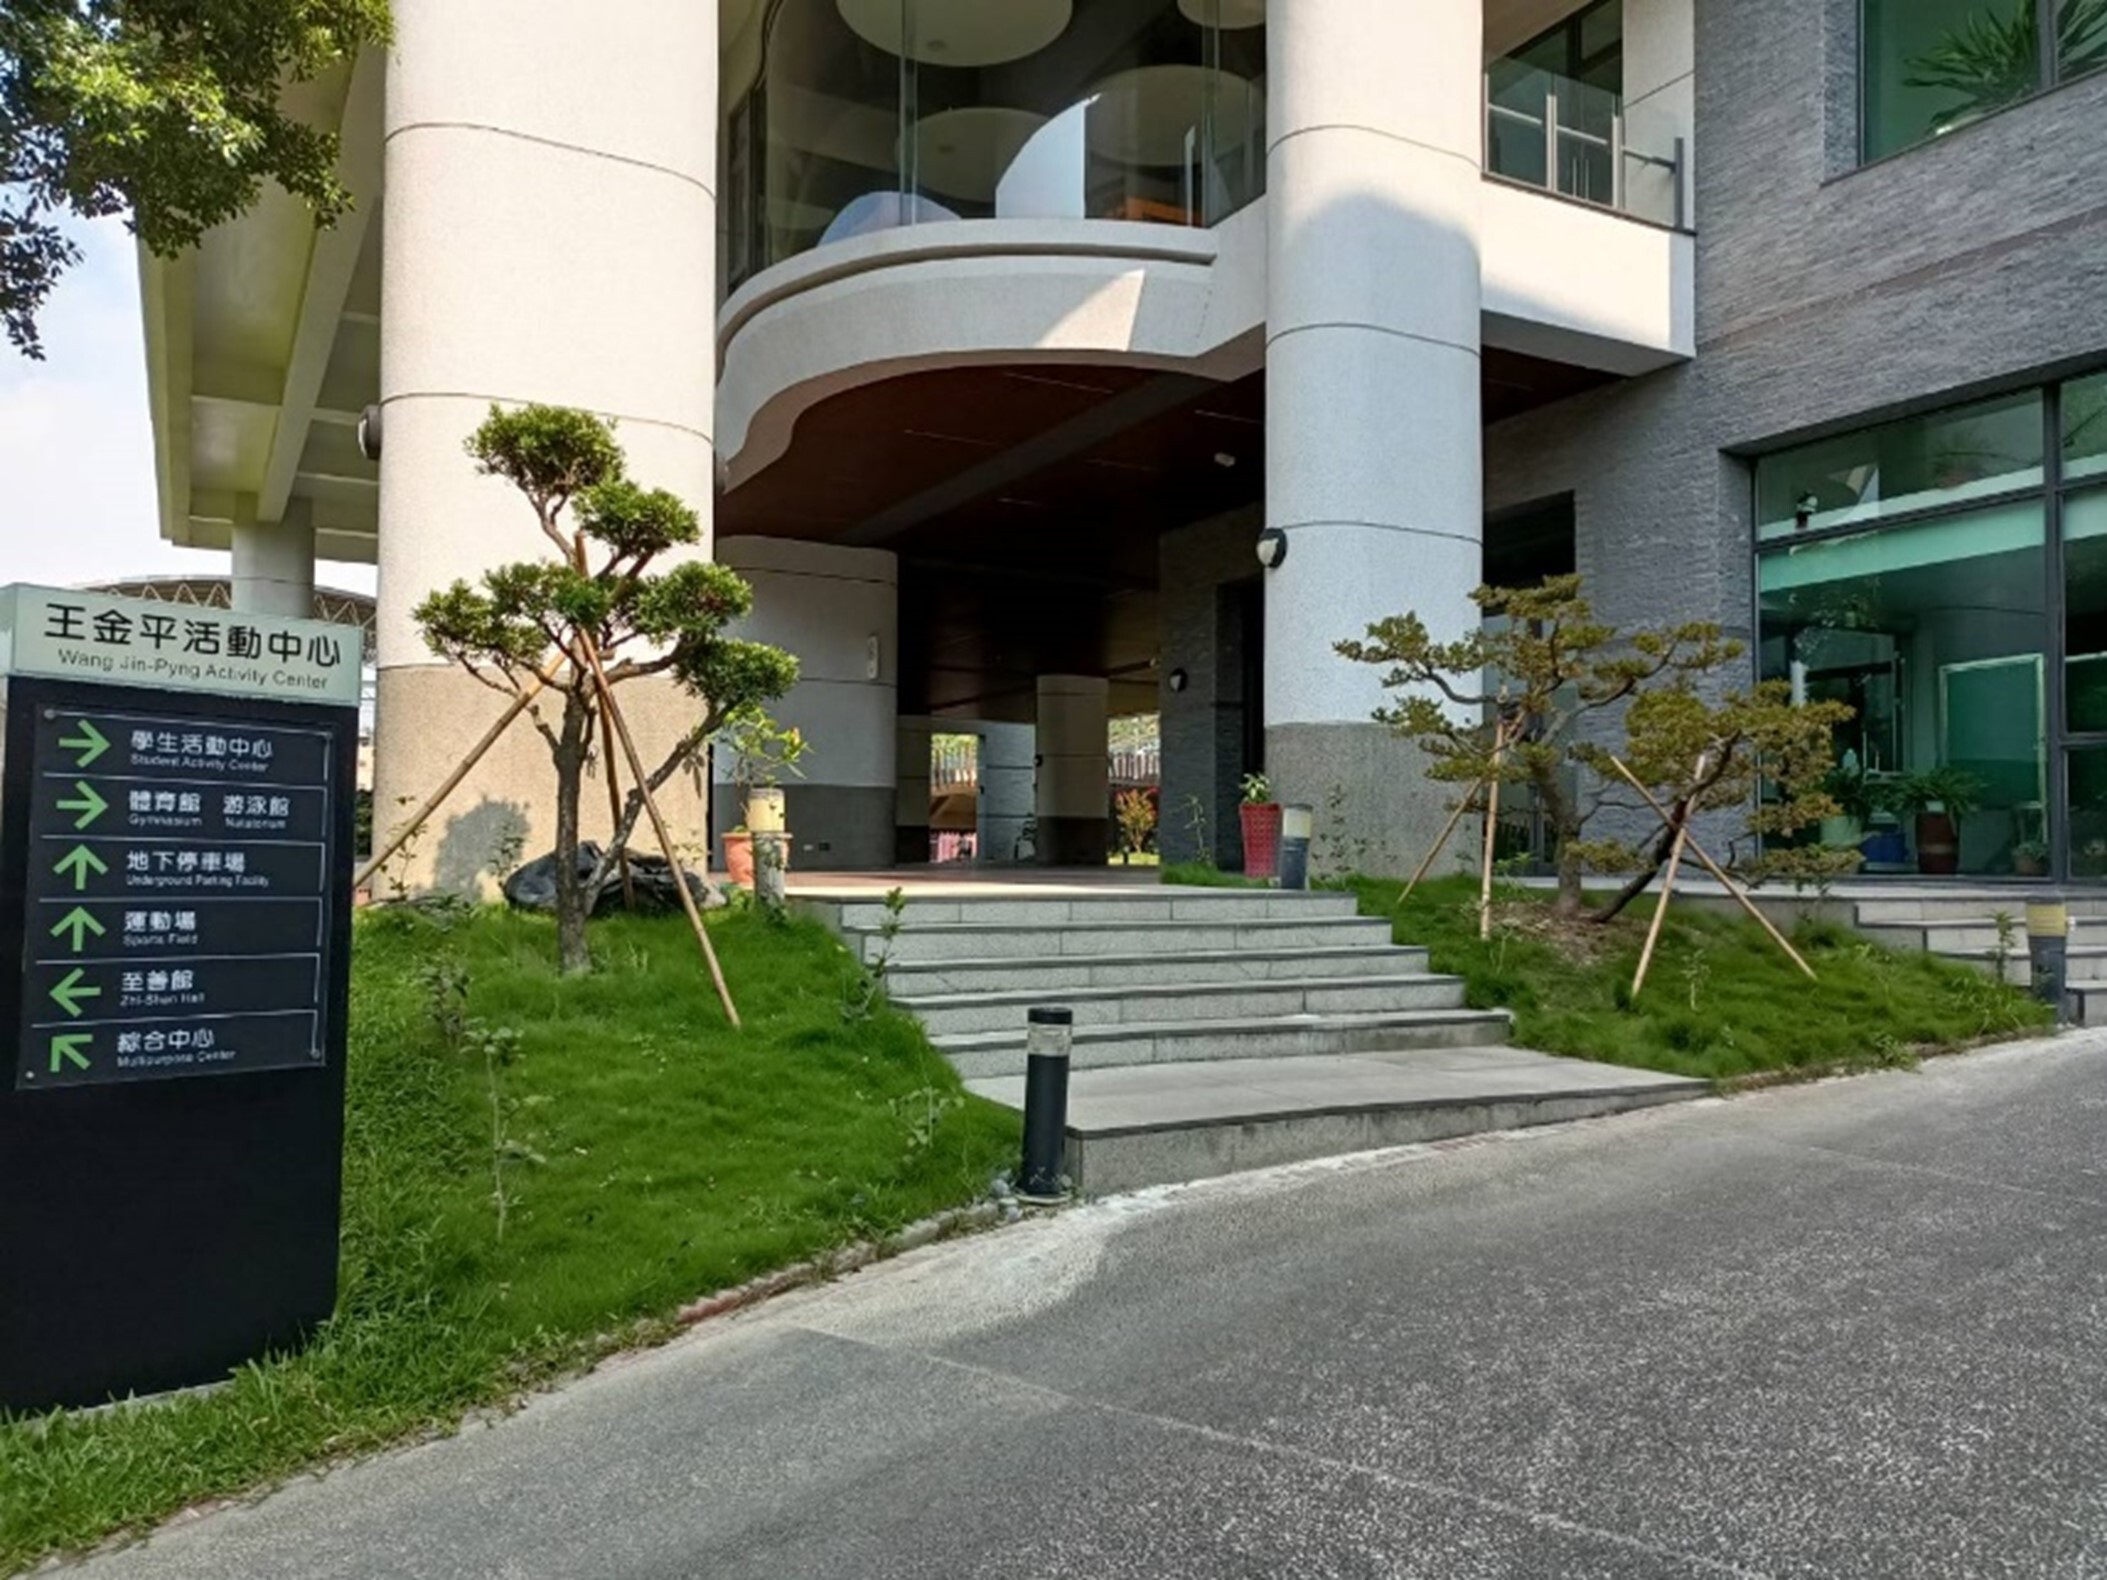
[(68, 994), (91, 743), (90, 806), (78, 922), (66, 1046), (81, 863)]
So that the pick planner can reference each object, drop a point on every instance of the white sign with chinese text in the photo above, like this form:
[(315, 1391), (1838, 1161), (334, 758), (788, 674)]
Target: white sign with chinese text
[(130, 642)]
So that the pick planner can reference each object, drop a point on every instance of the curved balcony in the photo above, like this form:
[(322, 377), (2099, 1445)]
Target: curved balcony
[(852, 118)]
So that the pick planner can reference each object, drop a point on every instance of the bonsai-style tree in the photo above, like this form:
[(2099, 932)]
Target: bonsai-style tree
[(1518, 700), (1753, 751), (556, 622)]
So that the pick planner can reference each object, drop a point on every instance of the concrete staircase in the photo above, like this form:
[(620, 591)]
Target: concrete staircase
[(1977, 928), (1164, 976), (1216, 1029)]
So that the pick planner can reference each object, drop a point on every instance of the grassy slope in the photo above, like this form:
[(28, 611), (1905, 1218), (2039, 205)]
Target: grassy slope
[(1721, 1000), (653, 1156)]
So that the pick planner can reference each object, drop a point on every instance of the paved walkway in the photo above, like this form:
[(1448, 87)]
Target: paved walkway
[(1853, 1329)]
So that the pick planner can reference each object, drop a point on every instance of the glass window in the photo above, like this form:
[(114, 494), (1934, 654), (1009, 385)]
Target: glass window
[(2081, 38), (2088, 812), (1933, 634), (1947, 457), (1930, 66), (866, 115), (2085, 609), (2085, 428)]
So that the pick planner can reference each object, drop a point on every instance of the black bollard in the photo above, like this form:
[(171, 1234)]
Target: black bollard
[(1048, 1035), (1297, 825), (2048, 945)]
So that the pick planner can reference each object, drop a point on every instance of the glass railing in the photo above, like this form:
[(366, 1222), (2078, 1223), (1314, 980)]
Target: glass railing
[(861, 116), (1573, 138)]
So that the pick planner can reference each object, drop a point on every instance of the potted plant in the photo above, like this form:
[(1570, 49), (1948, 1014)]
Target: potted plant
[(1261, 819), (2030, 858), (762, 752), (1858, 797), (1940, 798)]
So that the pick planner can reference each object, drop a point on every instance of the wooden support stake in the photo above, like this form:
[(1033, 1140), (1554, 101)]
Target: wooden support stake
[(403, 835), (1660, 911), (614, 809), (1462, 811), (658, 824), (1492, 829), (1719, 873)]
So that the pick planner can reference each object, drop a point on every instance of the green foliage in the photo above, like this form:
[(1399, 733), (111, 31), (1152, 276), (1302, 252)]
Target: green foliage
[(645, 1155), (761, 750), (1744, 1009), (166, 111), (1257, 790), (1992, 60), (1953, 791), (1135, 812)]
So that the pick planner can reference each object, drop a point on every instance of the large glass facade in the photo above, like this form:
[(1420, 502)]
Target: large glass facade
[(866, 115), (1946, 577), (1929, 67)]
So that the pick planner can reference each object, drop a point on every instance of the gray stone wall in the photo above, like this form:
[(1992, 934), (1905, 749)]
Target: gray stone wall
[(1827, 296)]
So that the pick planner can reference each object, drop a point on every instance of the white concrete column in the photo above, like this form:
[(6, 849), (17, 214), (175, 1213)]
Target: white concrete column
[(1373, 427), (1075, 771), (1008, 771), (550, 236), (912, 798), (274, 565), (838, 610)]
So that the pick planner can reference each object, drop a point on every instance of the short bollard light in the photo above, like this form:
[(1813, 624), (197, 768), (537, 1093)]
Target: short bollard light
[(1298, 825), (1049, 1034), (2048, 946)]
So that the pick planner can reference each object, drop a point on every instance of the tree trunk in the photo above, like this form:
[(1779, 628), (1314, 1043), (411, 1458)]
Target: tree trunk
[(1641, 881), (1570, 896), (571, 951)]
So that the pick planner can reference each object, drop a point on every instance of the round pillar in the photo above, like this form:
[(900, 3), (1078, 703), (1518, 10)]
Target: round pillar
[(838, 610), (274, 567), (550, 236), (1373, 427), (1075, 771)]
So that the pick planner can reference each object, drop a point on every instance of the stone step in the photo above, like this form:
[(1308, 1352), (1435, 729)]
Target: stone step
[(1942, 938), (948, 1014), (2082, 963), (1058, 974), (1975, 907), (978, 1055), (2089, 1003), (1164, 1124), (1028, 941), (1167, 904)]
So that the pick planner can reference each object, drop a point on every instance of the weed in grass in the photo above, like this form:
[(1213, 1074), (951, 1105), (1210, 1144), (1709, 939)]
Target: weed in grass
[(867, 988)]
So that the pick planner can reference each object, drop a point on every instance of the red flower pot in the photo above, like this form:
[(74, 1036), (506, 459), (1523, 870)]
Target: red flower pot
[(1261, 838)]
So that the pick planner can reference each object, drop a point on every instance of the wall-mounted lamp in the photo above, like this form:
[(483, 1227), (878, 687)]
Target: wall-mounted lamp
[(1179, 680), (872, 656), (1803, 510), (369, 433), (1272, 548)]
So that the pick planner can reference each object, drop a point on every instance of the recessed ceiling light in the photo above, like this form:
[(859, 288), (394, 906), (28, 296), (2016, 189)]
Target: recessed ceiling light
[(1224, 459)]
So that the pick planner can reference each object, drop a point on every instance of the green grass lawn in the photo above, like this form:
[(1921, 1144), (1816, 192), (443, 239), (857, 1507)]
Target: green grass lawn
[(1721, 1000), (1206, 875), (648, 1155)]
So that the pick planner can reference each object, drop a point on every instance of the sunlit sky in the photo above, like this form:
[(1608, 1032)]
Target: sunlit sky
[(77, 446)]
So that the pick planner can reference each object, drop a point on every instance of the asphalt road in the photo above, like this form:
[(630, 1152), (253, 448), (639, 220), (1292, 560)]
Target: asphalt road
[(1853, 1329)]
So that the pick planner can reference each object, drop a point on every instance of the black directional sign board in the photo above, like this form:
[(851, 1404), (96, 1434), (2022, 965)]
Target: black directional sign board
[(175, 897), (178, 877)]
